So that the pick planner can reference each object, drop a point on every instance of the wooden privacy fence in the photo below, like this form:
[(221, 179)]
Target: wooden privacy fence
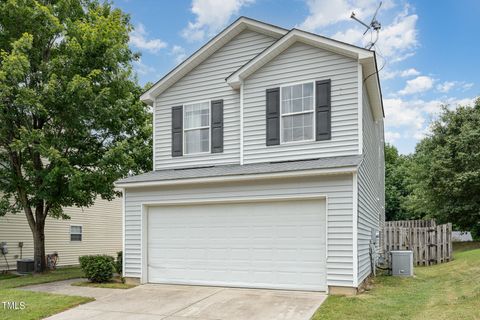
[(430, 243)]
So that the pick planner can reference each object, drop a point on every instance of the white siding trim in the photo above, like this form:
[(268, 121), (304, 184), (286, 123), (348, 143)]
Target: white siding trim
[(241, 122), (144, 219), (355, 229), (360, 109), (154, 127), (124, 203), (288, 174)]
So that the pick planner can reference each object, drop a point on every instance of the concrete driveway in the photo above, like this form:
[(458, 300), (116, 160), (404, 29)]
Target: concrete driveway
[(175, 302)]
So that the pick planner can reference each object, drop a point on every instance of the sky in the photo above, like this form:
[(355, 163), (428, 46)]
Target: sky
[(427, 50)]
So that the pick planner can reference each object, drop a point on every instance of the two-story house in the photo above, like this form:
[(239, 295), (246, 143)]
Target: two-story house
[(268, 166)]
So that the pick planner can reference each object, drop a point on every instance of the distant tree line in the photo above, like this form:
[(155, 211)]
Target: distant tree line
[(441, 179)]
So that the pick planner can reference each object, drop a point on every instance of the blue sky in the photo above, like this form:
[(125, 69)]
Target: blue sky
[(428, 49)]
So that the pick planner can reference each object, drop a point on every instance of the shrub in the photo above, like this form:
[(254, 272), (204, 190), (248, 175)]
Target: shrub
[(97, 268), (119, 263)]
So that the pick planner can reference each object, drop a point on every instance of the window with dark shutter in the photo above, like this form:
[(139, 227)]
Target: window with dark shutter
[(273, 117), (177, 131), (323, 110), (217, 126)]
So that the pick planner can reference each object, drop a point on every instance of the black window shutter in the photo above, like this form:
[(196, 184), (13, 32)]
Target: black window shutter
[(273, 116), (217, 126), (323, 110), (177, 131)]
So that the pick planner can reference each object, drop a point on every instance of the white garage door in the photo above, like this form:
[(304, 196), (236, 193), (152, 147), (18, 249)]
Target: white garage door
[(276, 244)]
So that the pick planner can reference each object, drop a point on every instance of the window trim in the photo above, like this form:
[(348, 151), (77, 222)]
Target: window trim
[(313, 112), (81, 234), (184, 147)]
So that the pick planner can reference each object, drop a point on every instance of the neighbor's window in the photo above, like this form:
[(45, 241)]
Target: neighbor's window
[(75, 233), (196, 128), (297, 112)]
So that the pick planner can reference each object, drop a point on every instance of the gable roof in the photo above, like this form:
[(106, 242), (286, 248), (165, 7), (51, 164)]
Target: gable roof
[(364, 56), (207, 50), (285, 38)]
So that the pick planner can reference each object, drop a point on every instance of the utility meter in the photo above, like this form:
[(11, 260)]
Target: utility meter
[(3, 248)]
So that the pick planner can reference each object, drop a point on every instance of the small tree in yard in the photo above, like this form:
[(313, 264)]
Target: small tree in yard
[(70, 119)]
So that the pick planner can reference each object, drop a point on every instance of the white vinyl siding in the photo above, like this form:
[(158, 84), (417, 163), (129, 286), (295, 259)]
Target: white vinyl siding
[(337, 188), (101, 233), (300, 63), (371, 195), (207, 82)]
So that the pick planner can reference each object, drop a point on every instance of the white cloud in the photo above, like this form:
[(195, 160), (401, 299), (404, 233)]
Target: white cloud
[(467, 86), (142, 69), (446, 86), (392, 136), (138, 39), (409, 73), (411, 117), (179, 53), (417, 85), (386, 74), (211, 16), (323, 13)]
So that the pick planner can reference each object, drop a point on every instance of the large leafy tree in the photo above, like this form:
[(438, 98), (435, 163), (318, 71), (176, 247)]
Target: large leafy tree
[(445, 171), (70, 120), (396, 188)]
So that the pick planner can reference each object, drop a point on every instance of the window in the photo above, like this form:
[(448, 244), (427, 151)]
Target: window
[(196, 129), (75, 233), (297, 112)]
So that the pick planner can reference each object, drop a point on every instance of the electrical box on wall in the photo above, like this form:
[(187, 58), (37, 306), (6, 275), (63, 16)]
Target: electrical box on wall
[(3, 248)]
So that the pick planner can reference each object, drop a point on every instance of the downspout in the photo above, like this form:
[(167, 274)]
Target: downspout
[(241, 122)]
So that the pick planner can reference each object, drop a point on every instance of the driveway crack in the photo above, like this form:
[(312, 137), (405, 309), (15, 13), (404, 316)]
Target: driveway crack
[(194, 303)]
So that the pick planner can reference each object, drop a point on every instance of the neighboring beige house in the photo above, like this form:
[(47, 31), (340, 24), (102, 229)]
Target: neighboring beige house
[(93, 230)]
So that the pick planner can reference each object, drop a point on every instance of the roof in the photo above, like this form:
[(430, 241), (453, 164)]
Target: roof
[(207, 50), (365, 57), (285, 38), (243, 170)]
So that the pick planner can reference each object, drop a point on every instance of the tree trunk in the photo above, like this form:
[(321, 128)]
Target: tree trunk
[(39, 248)]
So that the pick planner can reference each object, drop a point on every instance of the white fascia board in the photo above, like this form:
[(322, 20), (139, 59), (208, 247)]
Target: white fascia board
[(371, 80), (247, 177), (208, 49), (286, 41)]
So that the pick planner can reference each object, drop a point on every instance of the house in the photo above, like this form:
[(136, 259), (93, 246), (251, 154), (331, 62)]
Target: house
[(93, 230), (268, 166)]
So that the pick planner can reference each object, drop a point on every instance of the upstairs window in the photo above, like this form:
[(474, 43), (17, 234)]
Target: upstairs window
[(196, 129), (297, 113), (75, 233)]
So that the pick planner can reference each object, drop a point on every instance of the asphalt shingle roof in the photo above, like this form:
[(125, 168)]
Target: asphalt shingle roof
[(248, 169)]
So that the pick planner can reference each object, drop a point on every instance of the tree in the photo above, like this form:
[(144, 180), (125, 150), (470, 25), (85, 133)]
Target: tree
[(445, 172), (70, 119), (396, 189)]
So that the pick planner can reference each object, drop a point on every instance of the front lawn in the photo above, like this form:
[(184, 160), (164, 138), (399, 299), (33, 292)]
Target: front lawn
[(38, 305), (116, 283), (445, 291)]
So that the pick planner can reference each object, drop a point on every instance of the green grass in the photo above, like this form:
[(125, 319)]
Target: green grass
[(445, 291), (116, 283), (38, 305), (4, 276)]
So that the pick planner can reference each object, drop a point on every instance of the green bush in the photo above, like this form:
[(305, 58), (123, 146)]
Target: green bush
[(119, 263), (97, 268)]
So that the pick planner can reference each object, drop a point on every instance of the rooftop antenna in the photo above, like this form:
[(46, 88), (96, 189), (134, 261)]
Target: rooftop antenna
[(374, 24)]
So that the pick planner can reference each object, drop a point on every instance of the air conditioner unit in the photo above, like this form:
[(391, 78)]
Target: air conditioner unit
[(402, 263)]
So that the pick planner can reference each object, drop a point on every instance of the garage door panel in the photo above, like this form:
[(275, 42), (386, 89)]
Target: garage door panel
[(270, 245)]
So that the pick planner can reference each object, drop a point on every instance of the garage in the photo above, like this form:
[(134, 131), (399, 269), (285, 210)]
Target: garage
[(264, 244)]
